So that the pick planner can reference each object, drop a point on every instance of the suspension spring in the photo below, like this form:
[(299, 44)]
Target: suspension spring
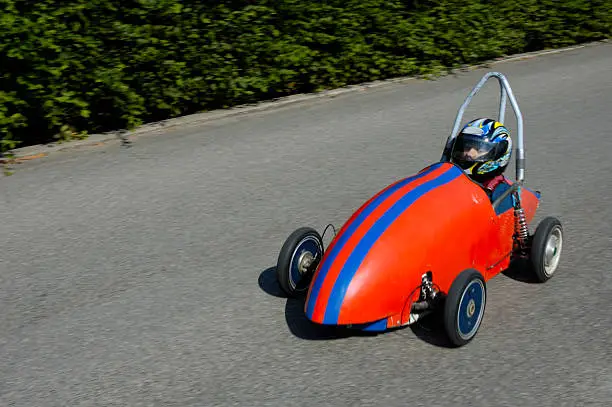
[(521, 229), (520, 225)]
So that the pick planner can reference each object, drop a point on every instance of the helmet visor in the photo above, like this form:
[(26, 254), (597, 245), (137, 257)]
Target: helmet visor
[(469, 148)]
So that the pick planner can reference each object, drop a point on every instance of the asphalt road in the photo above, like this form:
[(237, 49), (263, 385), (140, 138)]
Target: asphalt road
[(142, 276)]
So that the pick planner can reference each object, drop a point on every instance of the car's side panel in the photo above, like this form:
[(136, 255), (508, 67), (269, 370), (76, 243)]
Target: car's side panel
[(467, 236), (504, 230)]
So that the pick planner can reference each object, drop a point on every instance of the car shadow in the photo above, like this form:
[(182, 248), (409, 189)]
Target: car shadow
[(519, 270), (429, 329), (295, 317), (269, 284)]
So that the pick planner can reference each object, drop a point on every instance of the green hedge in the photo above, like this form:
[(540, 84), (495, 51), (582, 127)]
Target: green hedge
[(99, 65)]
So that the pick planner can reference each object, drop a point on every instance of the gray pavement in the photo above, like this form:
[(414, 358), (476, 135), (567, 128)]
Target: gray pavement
[(141, 276)]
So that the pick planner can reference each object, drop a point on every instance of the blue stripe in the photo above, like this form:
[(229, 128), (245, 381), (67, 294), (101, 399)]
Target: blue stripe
[(356, 258), (376, 326), (316, 288)]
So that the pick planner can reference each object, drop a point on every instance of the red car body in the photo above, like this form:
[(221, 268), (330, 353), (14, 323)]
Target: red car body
[(438, 221)]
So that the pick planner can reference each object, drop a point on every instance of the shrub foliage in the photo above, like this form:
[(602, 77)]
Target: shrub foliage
[(97, 65)]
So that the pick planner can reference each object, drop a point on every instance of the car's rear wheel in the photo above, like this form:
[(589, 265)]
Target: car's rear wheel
[(298, 259), (464, 307), (546, 248)]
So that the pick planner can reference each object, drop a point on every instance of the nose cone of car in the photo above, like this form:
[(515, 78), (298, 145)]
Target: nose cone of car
[(368, 286)]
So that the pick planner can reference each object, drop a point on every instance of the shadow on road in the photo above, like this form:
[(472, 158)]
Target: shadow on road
[(269, 284), (520, 271), (295, 317), (429, 329)]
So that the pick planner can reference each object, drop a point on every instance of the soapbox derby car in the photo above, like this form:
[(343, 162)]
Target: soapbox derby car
[(424, 243)]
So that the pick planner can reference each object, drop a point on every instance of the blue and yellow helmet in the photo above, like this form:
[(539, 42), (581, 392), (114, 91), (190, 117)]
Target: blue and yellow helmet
[(482, 148)]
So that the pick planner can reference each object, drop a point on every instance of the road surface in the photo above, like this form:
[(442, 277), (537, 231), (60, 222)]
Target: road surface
[(142, 276)]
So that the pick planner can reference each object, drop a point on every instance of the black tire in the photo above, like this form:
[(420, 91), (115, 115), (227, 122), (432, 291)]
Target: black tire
[(546, 246), (304, 241), (464, 307)]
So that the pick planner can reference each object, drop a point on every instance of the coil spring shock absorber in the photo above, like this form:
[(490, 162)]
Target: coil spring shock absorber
[(520, 222)]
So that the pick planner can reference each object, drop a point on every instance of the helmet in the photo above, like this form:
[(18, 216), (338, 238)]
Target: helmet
[(482, 148)]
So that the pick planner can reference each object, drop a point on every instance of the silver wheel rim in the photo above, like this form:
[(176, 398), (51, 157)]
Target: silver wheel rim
[(552, 251)]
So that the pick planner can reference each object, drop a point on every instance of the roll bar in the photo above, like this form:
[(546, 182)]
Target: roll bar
[(505, 91)]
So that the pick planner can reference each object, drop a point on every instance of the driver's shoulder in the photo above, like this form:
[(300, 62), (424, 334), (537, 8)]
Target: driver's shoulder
[(492, 184)]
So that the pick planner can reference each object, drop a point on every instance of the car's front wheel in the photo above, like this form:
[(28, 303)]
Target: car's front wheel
[(464, 307), (298, 260)]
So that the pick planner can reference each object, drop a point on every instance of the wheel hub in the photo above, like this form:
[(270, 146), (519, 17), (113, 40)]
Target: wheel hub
[(305, 261), (471, 308)]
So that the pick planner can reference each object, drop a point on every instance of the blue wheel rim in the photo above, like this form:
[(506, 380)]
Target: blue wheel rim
[(471, 309), (307, 244)]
